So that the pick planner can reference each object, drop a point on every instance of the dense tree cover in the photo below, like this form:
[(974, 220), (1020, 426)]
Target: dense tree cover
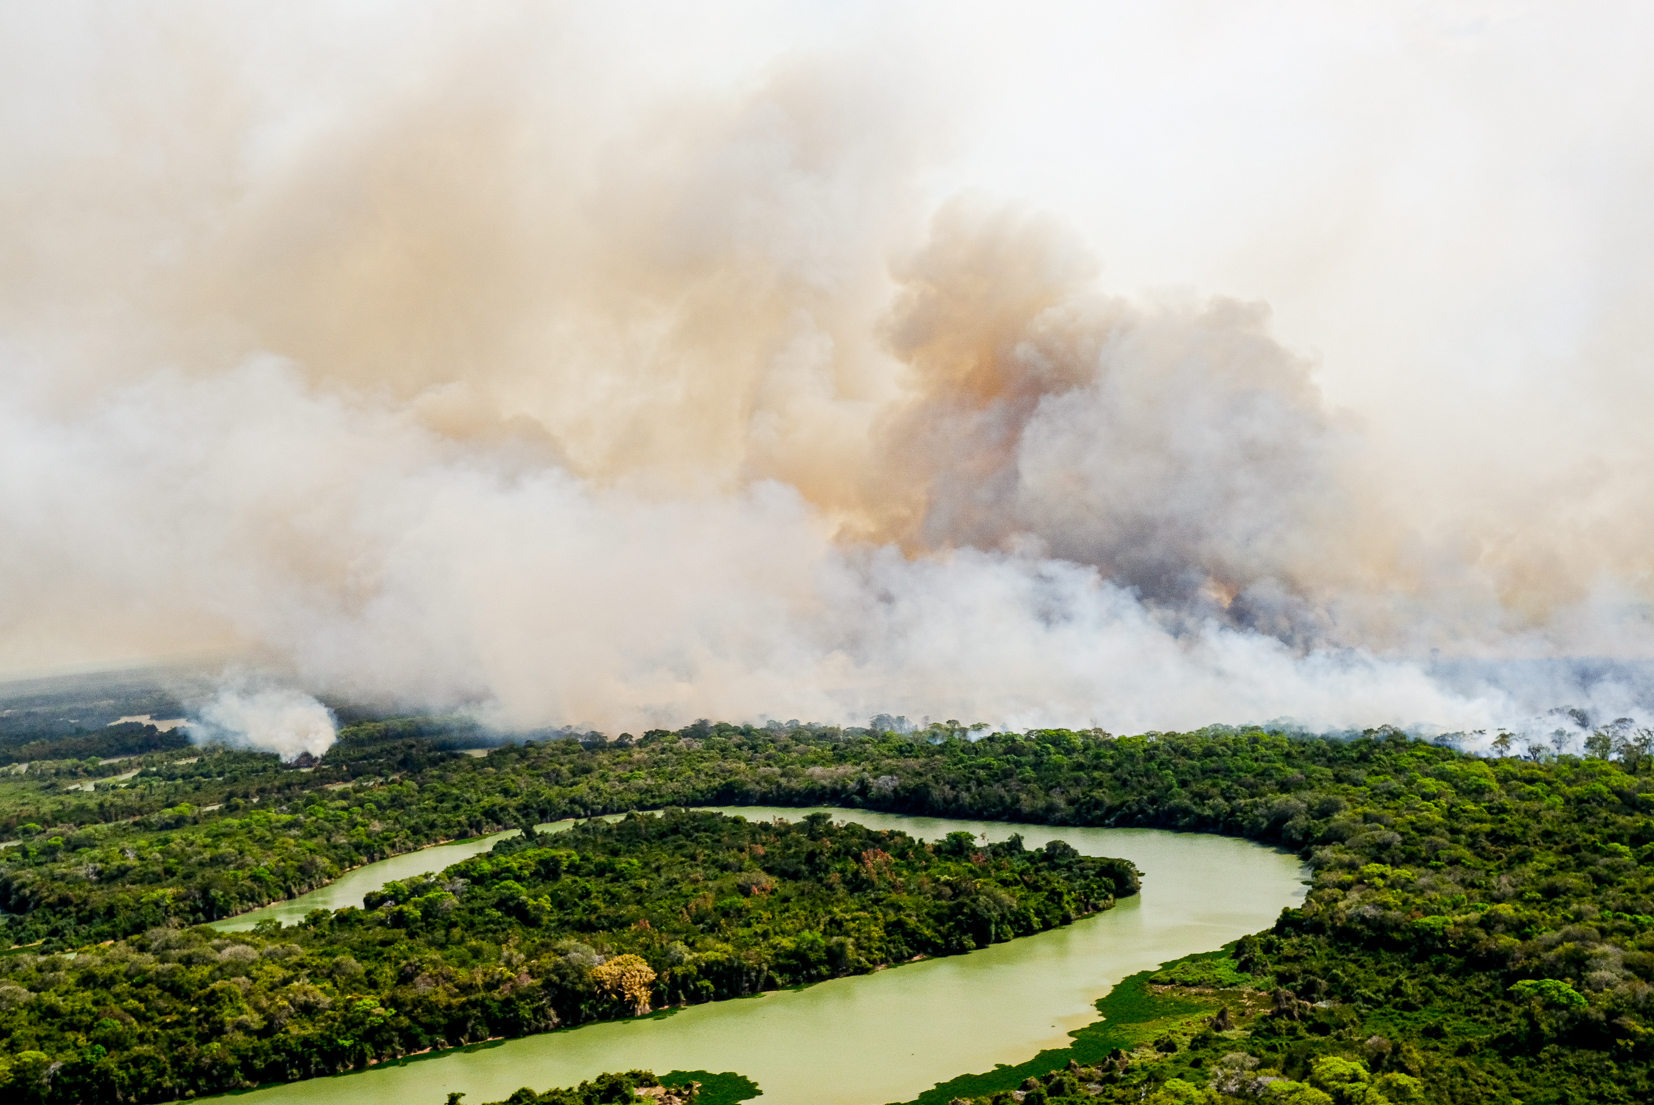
[(197, 838), (43, 793), (1219, 1077), (130, 738), (697, 1087), (611, 920), (44, 709), (1491, 919), (605, 1089)]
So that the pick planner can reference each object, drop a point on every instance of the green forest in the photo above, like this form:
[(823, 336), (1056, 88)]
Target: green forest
[(616, 1088), (613, 920), (1478, 929)]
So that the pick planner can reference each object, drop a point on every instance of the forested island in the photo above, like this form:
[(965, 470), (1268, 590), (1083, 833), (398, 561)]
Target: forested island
[(612, 920), (1478, 929)]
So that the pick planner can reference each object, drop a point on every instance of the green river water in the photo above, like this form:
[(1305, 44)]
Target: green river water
[(350, 888), (875, 1038)]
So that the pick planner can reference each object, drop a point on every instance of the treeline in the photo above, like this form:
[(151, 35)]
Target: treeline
[(214, 776), (195, 839), (131, 738), (612, 920)]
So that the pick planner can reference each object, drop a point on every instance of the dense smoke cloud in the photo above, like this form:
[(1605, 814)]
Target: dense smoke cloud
[(1175, 445), (490, 379), (287, 722)]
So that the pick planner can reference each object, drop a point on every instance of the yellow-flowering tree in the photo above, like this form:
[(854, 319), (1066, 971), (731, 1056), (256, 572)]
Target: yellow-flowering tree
[(628, 977)]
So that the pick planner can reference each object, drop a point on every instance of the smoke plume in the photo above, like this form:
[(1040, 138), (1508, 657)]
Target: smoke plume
[(495, 363), (286, 722)]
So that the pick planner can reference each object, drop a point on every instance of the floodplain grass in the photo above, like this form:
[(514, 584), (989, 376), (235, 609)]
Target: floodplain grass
[(724, 1088)]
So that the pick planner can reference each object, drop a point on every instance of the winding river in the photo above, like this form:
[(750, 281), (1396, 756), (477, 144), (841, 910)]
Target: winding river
[(882, 1037), (353, 886)]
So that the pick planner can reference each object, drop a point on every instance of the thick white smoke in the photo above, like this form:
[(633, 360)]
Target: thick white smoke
[(287, 722), (468, 372)]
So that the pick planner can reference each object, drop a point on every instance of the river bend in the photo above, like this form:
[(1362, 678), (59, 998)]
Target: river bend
[(875, 1038)]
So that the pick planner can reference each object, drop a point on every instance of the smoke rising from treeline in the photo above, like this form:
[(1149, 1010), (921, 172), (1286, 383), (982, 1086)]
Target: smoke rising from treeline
[(477, 374)]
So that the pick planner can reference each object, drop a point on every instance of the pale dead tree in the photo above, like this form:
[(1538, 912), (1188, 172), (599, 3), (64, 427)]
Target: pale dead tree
[(1233, 1075), (1560, 741)]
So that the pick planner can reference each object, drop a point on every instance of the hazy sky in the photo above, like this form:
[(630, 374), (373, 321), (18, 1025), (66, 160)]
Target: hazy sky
[(1119, 364)]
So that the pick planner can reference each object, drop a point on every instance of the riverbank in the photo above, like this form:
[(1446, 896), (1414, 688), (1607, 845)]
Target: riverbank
[(893, 1034), (352, 886)]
